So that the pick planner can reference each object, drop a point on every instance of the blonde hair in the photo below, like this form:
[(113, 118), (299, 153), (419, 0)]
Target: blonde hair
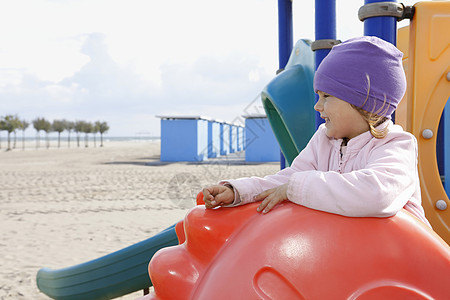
[(373, 118)]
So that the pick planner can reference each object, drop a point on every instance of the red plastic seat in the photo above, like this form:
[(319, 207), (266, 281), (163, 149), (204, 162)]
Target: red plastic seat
[(298, 253)]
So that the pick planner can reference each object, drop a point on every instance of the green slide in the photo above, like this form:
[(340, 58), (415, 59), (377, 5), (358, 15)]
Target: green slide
[(107, 277), (289, 101)]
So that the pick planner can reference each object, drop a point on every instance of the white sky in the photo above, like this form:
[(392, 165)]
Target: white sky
[(125, 61)]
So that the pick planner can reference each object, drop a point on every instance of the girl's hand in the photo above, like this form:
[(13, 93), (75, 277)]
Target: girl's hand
[(271, 197), (217, 195)]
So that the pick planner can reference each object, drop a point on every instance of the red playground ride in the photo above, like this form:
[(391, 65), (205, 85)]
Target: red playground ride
[(298, 253)]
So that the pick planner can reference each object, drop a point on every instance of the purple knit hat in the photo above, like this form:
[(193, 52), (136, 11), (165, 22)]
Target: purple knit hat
[(346, 71)]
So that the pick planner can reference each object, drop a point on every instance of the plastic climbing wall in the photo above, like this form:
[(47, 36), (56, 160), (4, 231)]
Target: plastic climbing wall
[(426, 46)]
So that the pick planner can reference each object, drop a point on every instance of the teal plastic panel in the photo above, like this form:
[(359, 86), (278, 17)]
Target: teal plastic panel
[(107, 277), (289, 101)]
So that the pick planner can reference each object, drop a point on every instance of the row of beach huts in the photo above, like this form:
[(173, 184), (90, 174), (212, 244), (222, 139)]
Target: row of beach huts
[(198, 138)]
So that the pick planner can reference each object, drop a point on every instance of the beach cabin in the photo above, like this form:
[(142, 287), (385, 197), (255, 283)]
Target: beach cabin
[(213, 138), (232, 137), (260, 142), (224, 138), (240, 138), (184, 138)]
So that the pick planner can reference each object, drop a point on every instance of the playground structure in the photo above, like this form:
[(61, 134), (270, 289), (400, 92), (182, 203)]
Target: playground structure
[(314, 255), (298, 253), (426, 48)]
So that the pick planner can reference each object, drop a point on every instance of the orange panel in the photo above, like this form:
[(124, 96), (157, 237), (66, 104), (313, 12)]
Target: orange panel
[(428, 91)]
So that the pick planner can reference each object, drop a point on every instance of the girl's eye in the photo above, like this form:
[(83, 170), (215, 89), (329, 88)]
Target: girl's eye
[(324, 96)]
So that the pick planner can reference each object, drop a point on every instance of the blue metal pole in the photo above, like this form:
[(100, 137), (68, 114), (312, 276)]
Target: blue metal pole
[(285, 36), (382, 27), (444, 162), (285, 43), (325, 24)]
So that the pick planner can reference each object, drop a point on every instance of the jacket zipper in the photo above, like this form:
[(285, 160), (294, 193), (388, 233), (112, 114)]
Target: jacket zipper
[(341, 161)]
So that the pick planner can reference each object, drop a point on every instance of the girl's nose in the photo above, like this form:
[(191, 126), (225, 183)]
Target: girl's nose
[(319, 105)]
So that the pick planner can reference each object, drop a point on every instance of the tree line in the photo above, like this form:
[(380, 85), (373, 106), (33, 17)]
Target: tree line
[(12, 123)]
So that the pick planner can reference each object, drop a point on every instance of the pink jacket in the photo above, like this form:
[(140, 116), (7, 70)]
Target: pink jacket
[(372, 178)]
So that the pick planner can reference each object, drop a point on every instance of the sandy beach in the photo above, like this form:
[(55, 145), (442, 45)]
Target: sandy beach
[(61, 207)]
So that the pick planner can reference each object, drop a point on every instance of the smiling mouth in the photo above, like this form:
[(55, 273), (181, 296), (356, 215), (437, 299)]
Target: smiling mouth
[(325, 118)]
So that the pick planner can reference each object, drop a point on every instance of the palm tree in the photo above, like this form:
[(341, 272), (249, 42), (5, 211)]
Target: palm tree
[(38, 124), (2, 127), (17, 124), (78, 127), (59, 126), (69, 127), (103, 128), (23, 126), (11, 123), (87, 128), (95, 130), (47, 127)]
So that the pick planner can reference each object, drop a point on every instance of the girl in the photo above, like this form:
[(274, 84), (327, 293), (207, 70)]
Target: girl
[(358, 163)]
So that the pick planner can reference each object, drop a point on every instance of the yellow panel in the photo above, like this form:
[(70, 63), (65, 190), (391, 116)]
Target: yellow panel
[(403, 45), (403, 41), (428, 91), (439, 35)]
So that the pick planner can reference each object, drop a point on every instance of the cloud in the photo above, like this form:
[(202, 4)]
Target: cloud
[(75, 60), (102, 83), (100, 87), (104, 90), (213, 81)]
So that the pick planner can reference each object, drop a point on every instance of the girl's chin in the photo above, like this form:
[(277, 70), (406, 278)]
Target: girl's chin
[(329, 134), (327, 126)]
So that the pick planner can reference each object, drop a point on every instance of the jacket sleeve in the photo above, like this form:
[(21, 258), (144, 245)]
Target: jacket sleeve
[(380, 189), (246, 188)]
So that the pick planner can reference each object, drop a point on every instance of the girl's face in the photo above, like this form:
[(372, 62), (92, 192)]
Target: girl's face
[(341, 119)]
